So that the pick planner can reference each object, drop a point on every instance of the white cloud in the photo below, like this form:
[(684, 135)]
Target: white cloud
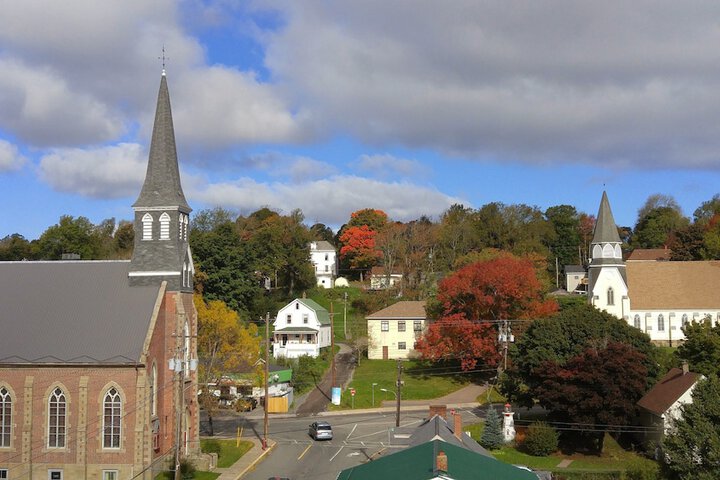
[(107, 172), (10, 158), (612, 83), (329, 201), (387, 166)]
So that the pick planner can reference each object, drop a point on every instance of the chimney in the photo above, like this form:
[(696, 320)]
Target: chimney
[(441, 462), (685, 367), (438, 410), (458, 425)]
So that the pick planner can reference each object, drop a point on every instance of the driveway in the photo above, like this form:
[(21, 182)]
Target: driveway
[(319, 397)]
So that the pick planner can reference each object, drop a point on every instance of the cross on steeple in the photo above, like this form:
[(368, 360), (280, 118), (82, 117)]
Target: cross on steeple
[(163, 58)]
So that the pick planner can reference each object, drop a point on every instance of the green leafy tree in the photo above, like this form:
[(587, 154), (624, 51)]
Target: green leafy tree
[(658, 219), (707, 210), (691, 450), (688, 244), (456, 235), (492, 435), (124, 239), (320, 231), (702, 346), (541, 439), (15, 247), (75, 235), (565, 222)]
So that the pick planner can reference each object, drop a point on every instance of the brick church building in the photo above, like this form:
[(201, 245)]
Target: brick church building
[(96, 357)]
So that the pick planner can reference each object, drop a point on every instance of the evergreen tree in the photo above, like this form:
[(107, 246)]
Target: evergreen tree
[(492, 436)]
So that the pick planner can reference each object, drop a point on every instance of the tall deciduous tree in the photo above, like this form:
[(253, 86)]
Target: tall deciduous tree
[(702, 346), (691, 450), (599, 388), (15, 247), (75, 235), (224, 346), (501, 288), (454, 338), (358, 247), (658, 219)]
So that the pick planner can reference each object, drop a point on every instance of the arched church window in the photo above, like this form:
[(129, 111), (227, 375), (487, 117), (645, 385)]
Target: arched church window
[(186, 221), (637, 321), (153, 390), (661, 323), (112, 413), (57, 409), (164, 226), (147, 221), (597, 251), (684, 319), (610, 296), (5, 417)]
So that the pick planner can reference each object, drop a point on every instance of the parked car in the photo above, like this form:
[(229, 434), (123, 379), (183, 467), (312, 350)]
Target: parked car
[(321, 431)]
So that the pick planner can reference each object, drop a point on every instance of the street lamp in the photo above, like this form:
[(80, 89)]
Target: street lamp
[(373, 394), (386, 390)]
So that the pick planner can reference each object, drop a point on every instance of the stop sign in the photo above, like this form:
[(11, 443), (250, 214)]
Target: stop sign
[(352, 392)]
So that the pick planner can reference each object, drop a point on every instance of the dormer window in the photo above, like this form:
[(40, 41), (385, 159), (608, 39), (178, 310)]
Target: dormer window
[(147, 222), (164, 226)]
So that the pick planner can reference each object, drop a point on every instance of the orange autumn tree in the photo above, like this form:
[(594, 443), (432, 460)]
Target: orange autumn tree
[(471, 299), (357, 239)]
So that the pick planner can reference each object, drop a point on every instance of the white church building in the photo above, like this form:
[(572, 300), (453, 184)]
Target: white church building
[(658, 297)]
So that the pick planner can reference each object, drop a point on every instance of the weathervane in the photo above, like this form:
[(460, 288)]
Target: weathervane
[(163, 58)]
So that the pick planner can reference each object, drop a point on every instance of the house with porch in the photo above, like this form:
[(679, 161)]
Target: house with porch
[(302, 327)]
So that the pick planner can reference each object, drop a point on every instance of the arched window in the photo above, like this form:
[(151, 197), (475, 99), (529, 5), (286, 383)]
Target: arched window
[(186, 275), (5, 417), (186, 221), (112, 411), (57, 411), (164, 226), (147, 222), (187, 343), (610, 296), (684, 319), (180, 227), (153, 390), (661, 323), (637, 321)]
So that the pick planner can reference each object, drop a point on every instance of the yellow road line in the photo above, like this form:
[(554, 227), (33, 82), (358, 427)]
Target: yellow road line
[(305, 451)]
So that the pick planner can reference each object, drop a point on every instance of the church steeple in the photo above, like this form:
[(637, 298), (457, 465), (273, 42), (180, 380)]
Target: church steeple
[(161, 212), (605, 227)]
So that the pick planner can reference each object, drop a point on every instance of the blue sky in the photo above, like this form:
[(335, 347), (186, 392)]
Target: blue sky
[(330, 107)]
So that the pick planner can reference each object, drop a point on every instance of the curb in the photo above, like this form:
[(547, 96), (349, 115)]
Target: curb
[(257, 459)]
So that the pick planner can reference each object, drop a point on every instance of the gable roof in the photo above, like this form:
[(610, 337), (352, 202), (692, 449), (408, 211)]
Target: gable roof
[(73, 312), (649, 254), (420, 462), (437, 428), (323, 245), (673, 285), (404, 309), (322, 315), (668, 390), (574, 269)]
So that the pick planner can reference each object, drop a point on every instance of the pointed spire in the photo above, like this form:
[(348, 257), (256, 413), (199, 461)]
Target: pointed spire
[(605, 227), (162, 180)]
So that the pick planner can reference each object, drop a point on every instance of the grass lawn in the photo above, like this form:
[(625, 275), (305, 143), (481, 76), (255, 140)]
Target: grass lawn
[(491, 396), (614, 458), (418, 385), (229, 453)]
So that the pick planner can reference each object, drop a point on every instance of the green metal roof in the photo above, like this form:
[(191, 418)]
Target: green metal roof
[(322, 315), (419, 463)]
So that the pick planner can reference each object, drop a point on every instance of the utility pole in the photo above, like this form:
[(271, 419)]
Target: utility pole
[(506, 334), (399, 383), (332, 346), (345, 317), (179, 364), (267, 374)]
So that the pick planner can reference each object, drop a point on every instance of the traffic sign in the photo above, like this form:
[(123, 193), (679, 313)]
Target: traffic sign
[(352, 392)]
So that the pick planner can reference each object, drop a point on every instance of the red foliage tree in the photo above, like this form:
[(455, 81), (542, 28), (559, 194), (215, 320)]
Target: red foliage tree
[(358, 247), (454, 337), (501, 288), (599, 387)]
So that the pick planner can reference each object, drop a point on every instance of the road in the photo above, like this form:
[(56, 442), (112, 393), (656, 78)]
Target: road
[(319, 398), (357, 438)]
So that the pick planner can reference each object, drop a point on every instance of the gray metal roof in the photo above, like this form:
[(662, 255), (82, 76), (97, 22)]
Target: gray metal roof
[(438, 427), (162, 180), (72, 312), (323, 245), (605, 227)]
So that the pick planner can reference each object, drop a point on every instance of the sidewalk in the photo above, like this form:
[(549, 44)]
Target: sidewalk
[(247, 461)]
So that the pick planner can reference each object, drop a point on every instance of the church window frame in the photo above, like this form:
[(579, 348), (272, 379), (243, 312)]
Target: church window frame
[(112, 419), (661, 323), (6, 407), (636, 320), (57, 419), (164, 226), (153, 390), (610, 296), (147, 226), (684, 320)]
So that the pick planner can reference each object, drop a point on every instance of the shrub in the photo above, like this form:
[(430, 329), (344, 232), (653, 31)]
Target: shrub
[(492, 436), (541, 439)]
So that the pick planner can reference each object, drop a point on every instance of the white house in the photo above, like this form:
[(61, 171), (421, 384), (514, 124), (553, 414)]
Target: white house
[(658, 297), (380, 279), (575, 279), (393, 331), (324, 260), (302, 327), (660, 406)]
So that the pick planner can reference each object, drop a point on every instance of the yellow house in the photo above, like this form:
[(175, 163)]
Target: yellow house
[(393, 331)]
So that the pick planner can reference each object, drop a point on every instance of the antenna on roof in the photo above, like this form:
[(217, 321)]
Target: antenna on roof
[(163, 58)]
